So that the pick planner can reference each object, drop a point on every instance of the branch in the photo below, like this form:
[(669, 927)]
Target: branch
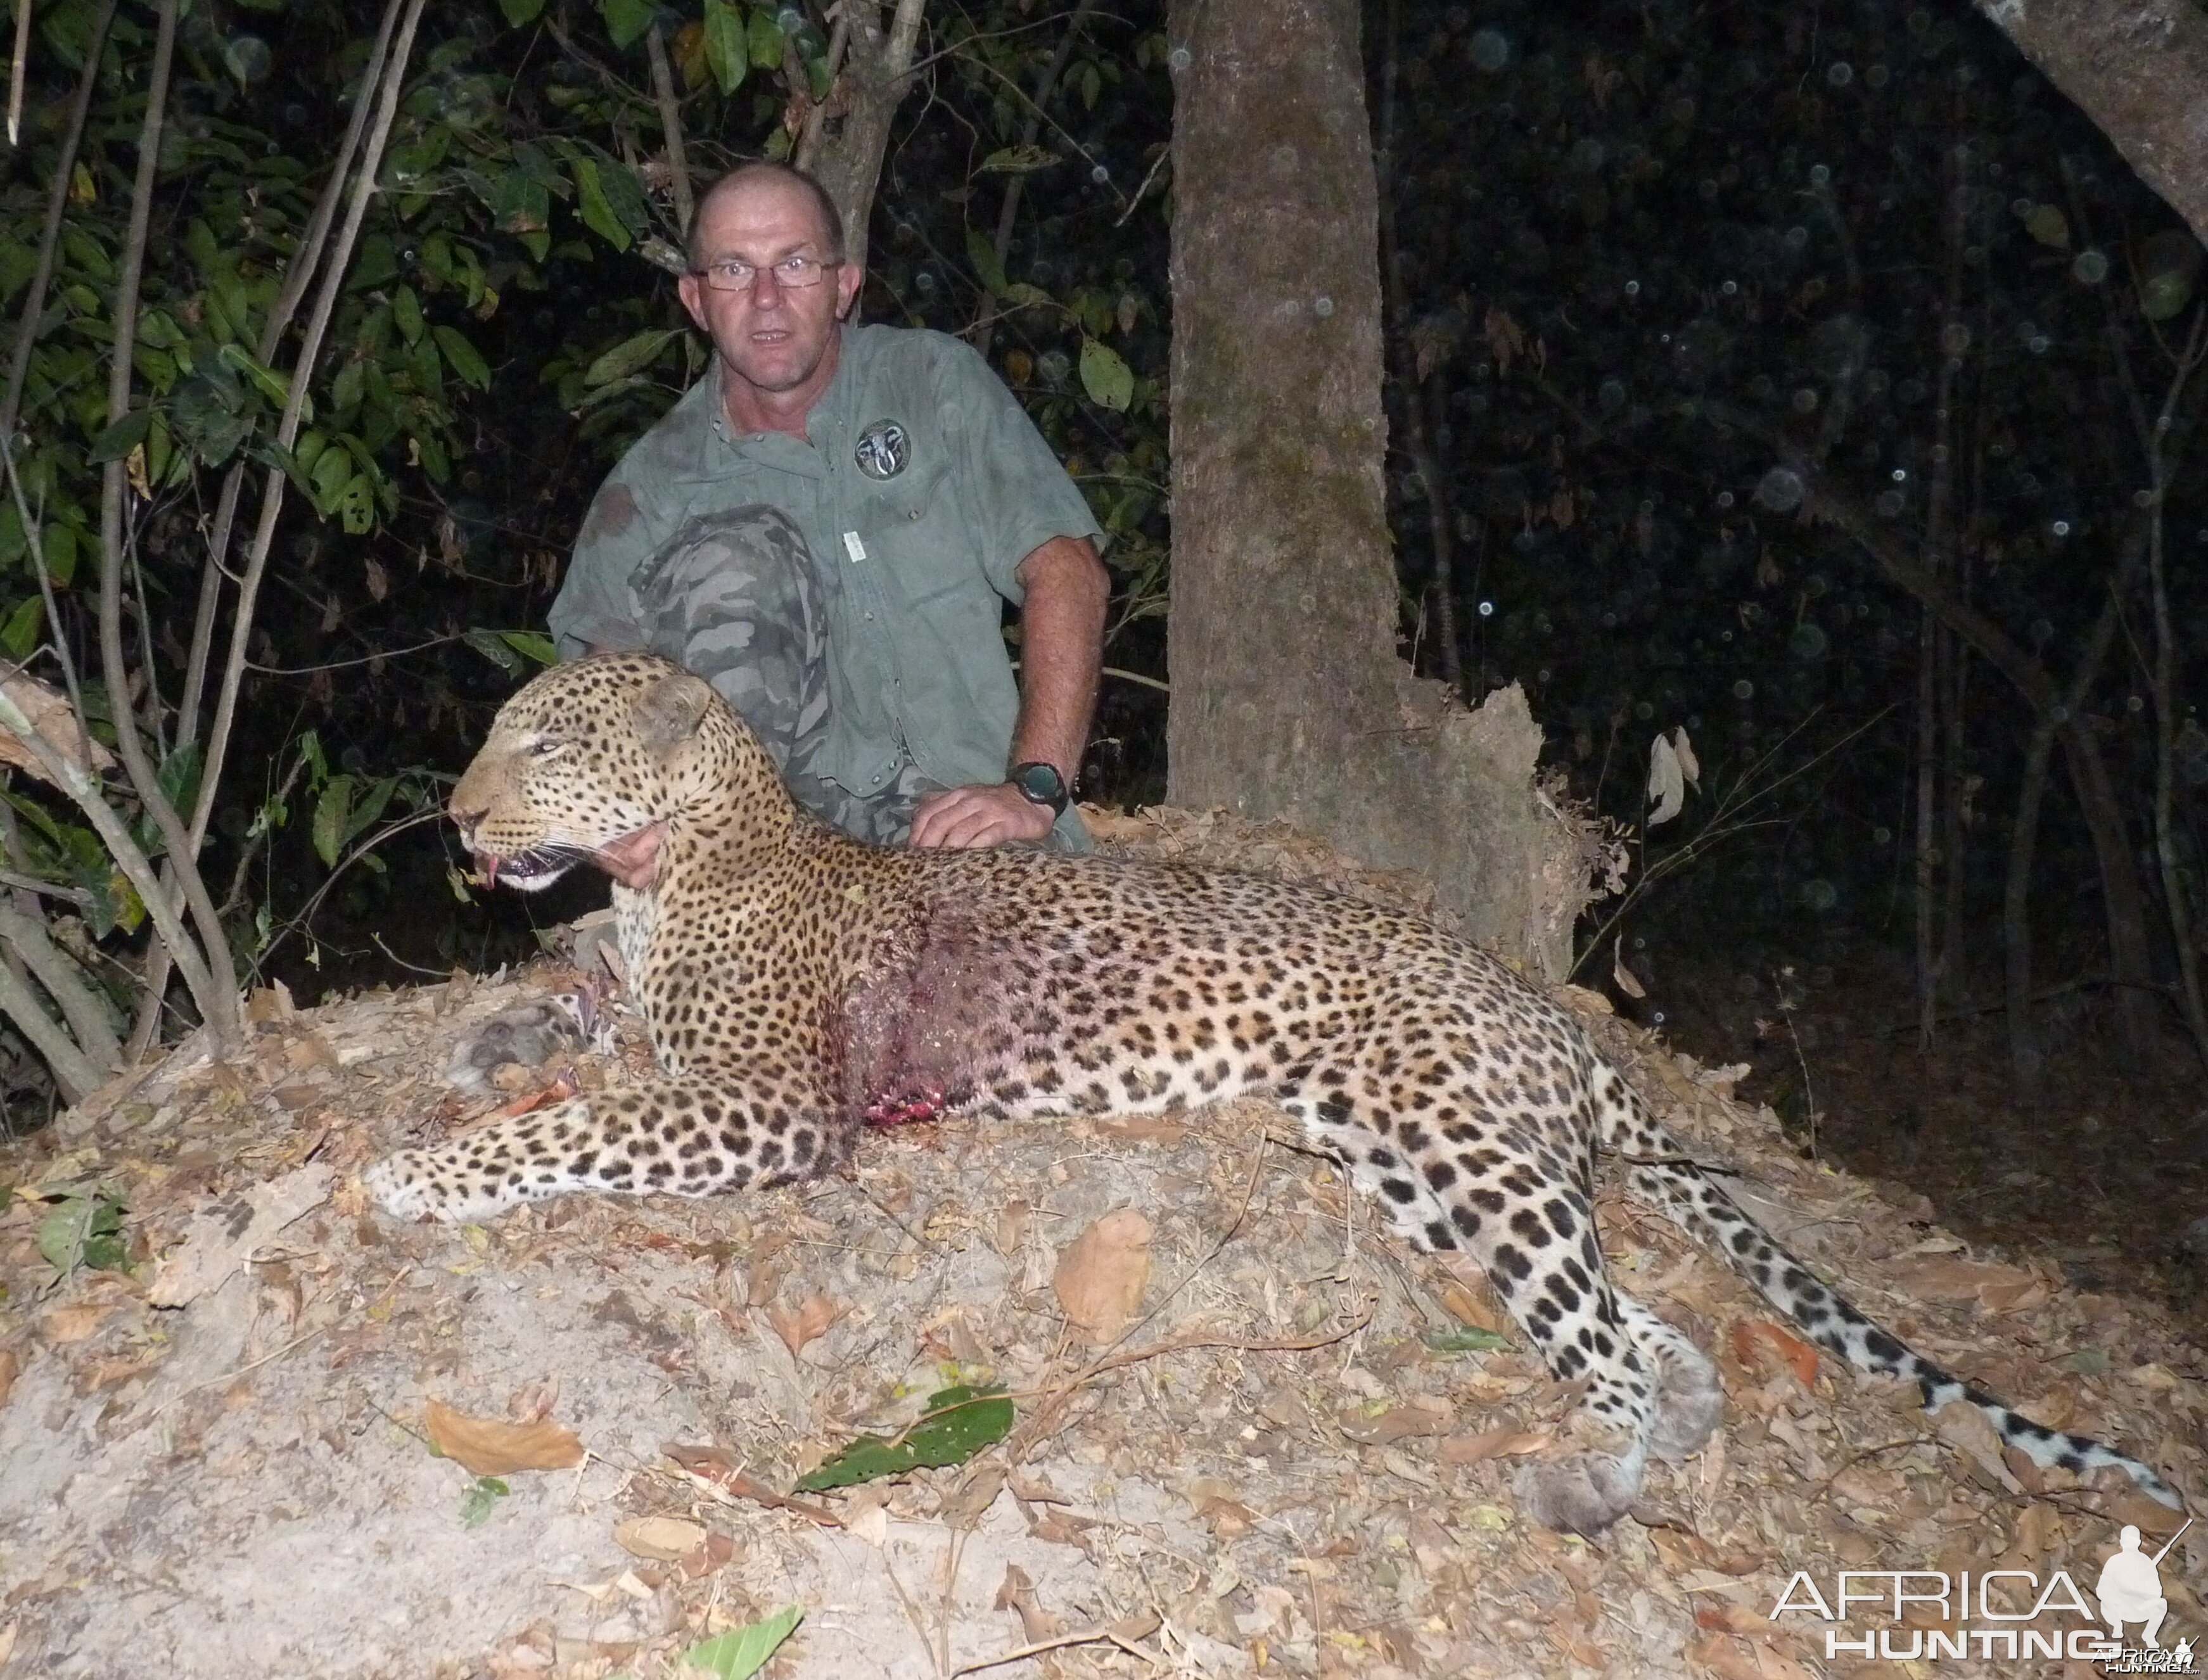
[(217, 992), (76, 1075), (87, 1020), (287, 430), (670, 125)]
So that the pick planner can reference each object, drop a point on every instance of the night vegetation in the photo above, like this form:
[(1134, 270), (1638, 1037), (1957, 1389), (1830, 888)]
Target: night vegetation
[(1818, 383)]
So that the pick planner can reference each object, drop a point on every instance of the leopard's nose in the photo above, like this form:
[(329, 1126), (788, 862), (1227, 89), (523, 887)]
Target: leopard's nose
[(465, 818)]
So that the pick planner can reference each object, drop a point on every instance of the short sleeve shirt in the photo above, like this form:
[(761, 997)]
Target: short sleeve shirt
[(921, 487)]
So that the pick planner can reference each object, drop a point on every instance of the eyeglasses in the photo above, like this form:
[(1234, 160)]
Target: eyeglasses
[(730, 274)]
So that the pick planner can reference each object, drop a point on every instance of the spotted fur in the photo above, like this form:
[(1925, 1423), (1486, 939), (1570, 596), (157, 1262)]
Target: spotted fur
[(799, 985)]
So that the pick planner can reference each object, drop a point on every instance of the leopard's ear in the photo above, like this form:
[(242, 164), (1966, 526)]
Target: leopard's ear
[(667, 712)]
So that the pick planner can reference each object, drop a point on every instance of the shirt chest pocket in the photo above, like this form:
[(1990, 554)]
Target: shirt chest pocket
[(913, 531)]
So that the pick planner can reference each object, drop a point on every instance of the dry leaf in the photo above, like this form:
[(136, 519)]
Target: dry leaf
[(669, 1540), (1766, 1349), (10, 1364), (1968, 1431), (215, 1244), (805, 1323), (1622, 976), (65, 1324), (1667, 782), (1471, 1300), (490, 1447), (1017, 1595), (1101, 1274), (1421, 1417), (47, 711), (1501, 1442)]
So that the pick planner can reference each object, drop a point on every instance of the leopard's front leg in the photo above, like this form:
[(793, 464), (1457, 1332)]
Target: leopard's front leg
[(685, 1137)]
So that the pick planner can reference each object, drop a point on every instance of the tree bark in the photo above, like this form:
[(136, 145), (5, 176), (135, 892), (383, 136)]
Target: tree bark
[(2139, 71), (875, 76), (1289, 700)]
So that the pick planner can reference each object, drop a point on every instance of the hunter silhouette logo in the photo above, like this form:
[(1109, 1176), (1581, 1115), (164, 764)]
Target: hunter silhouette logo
[(2130, 1591)]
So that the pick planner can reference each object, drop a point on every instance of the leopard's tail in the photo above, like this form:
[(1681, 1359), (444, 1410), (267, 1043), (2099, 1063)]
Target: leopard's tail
[(1662, 1172)]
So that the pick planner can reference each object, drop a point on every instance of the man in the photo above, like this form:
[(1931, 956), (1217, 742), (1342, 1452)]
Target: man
[(825, 527)]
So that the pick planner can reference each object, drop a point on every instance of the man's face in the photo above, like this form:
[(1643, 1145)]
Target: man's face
[(771, 336)]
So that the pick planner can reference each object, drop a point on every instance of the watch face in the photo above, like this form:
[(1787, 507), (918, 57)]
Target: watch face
[(1041, 784)]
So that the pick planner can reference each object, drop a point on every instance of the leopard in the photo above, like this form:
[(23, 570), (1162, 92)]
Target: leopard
[(800, 987)]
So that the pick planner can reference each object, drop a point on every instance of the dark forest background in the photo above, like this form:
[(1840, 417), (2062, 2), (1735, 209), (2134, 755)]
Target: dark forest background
[(1812, 388)]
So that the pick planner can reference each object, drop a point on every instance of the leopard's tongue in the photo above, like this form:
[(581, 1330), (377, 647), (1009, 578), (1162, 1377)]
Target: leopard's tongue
[(490, 871)]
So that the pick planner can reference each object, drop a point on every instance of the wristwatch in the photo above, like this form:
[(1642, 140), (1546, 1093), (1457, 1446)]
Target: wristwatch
[(1040, 784)]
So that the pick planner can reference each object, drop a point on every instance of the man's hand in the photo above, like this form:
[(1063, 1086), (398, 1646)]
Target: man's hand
[(987, 815)]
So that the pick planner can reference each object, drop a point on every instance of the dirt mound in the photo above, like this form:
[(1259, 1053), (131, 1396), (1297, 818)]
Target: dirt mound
[(1291, 1459)]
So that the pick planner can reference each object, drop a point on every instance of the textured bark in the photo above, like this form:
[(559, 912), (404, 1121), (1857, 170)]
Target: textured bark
[(844, 154), (1289, 699), (2139, 69)]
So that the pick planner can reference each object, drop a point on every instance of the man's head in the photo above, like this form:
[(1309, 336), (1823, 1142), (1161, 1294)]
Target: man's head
[(764, 223)]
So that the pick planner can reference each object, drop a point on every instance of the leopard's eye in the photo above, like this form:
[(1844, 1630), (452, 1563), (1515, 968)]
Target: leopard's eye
[(546, 747)]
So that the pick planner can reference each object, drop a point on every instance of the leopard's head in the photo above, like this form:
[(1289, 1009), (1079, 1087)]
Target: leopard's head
[(591, 762)]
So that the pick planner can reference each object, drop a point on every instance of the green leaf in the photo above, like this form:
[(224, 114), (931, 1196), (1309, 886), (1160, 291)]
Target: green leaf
[(630, 356), (1023, 296), (1019, 160), (356, 509), (20, 635), (60, 545), (332, 812), (493, 647), (406, 312), (959, 1423), (1108, 380), (367, 807), (982, 252), (521, 203), (597, 215), (481, 1500), (84, 1231), (531, 644), (262, 376), (1466, 1341), (467, 360), (116, 442), (741, 1652), (178, 778), (625, 19), (728, 50), (765, 38), (331, 473), (518, 12)]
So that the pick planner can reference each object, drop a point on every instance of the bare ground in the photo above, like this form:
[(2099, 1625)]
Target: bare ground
[(1272, 1471)]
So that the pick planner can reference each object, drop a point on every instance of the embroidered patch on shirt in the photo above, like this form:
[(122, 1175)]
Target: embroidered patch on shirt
[(884, 449)]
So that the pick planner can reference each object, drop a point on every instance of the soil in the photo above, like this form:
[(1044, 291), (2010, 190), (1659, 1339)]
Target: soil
[(1287, 1461), (2102, 1169)]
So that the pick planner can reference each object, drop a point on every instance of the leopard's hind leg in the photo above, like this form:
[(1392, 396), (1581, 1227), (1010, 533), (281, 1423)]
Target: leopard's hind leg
[(1516, 1201), (684, 1137)]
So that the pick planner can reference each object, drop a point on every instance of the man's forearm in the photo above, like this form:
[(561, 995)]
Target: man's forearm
[(1061, 653)]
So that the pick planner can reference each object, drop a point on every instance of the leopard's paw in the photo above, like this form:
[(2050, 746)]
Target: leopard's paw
[(1581, 1492), (413, 1185)]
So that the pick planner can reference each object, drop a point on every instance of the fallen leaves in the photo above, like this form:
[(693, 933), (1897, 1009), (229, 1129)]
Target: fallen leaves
[(1500, 1443), (958, 1424), (492, 1447), (665, 1539), (1101, 1274), (1767, 1349), (805, 1323), (215, 1244)]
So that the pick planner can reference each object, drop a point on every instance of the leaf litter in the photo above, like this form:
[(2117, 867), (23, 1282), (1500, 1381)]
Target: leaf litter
[(1244, 1432)]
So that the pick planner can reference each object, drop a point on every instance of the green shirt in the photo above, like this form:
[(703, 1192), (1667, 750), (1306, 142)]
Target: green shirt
[(914, 568)]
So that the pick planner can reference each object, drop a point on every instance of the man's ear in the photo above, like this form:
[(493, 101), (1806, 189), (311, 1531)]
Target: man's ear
[(667, 713)]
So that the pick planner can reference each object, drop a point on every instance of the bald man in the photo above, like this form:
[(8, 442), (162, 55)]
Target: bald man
[(826, 527)]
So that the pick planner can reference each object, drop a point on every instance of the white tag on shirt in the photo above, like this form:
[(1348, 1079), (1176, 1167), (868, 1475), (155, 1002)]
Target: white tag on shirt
[(854, 547)]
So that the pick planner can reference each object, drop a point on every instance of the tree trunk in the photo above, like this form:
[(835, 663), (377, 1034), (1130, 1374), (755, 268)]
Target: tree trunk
[(874, 76), (1289, 699), (2138, 71)]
